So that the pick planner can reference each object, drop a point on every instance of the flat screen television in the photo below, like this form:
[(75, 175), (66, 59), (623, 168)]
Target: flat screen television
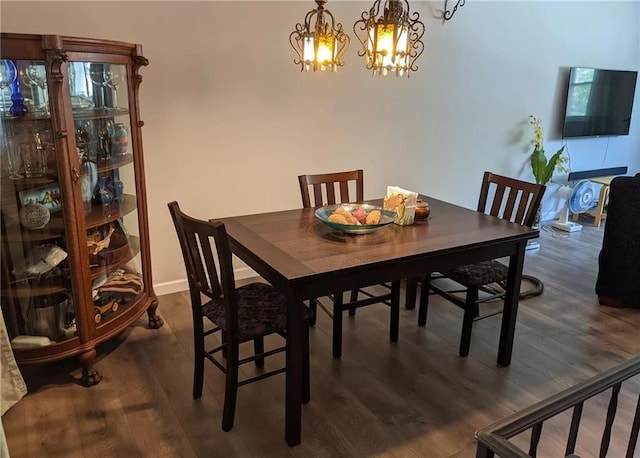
[(599, 102)]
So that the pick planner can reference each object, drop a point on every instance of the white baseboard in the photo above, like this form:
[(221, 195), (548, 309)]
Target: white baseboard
[(176, 286)]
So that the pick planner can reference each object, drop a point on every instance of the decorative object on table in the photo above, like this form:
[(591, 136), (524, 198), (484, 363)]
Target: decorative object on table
[(403, 202), (347, 217), (48, 195), (391, 37), (322, 45), (422, 210), (103, 196), (43, 258), (34, 215), (120, 140)]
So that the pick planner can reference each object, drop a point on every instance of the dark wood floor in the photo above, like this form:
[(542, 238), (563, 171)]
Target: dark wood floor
[(416, 397)]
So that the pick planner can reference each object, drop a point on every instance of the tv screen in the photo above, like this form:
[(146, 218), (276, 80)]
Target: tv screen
[(599, 102)]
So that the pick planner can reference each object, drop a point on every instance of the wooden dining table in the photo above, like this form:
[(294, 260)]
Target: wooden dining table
[(304, 258)]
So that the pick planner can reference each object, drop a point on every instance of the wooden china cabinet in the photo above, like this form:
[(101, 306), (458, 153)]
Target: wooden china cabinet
[(76, 266)]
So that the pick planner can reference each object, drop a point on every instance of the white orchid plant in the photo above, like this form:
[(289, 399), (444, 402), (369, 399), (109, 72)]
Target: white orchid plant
[(541, 168)]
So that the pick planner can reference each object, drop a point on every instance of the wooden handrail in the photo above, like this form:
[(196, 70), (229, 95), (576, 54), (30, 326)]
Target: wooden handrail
[(494, 439)]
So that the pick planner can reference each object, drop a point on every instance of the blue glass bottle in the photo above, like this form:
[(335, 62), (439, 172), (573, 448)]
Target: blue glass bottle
[(18, 108)]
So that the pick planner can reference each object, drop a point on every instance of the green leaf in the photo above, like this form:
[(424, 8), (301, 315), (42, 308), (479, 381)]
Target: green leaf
[(538, 165), (551, 166)]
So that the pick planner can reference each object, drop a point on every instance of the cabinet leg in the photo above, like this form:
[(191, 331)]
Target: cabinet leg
[(90, 375), (155, 320)]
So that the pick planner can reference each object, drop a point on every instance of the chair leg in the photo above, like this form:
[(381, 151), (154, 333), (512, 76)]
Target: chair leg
[(337, 325), (410, 295), (198, 363), (306, 375), (313, 305), (395, 311), (353, 298), (424, 300), (467, 321), (223, 339), (258, 347), (230, 389)]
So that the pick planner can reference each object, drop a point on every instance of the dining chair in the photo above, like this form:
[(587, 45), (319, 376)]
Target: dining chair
[(513, 200), (241, 314), (336, 188)]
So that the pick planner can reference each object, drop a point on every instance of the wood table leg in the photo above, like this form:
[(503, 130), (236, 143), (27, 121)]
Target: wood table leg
[(395, 311), (510, 313), (410, 295), (293, 386)]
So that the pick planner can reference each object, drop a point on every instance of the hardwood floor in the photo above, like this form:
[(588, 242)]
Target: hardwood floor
[(416, 397)]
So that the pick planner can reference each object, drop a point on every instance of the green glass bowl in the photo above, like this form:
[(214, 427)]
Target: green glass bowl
[(386, 217)]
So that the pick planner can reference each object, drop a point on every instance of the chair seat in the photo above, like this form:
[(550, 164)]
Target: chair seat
[(480, 274), (262, 310)]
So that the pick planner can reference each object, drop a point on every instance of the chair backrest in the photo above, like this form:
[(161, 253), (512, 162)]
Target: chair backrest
[(513, 200), (197, 241), (325, 184)]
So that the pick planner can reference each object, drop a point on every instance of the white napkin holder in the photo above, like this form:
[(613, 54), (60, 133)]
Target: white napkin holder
[(403, 202)]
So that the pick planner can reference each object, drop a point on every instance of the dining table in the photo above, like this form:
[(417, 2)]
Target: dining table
[(304, 258)]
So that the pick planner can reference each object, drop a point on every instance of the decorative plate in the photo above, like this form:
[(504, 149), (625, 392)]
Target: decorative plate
[(386, 217)]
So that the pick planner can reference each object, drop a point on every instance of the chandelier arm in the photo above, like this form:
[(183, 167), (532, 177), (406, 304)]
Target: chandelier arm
[(296, 45), (419, 49)]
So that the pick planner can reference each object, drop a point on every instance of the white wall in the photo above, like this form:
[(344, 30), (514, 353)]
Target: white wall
[(230, 121)]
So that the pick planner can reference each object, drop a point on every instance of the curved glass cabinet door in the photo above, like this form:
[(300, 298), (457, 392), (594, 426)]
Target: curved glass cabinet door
[(102, 121), (37, 301)]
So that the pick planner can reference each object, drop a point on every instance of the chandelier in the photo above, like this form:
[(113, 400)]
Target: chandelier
[(391, 40), (321, 46)]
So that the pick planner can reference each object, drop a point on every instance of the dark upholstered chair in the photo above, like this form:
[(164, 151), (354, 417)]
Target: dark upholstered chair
[(618, 283), (513, 200), (243, 314), (318, 190)]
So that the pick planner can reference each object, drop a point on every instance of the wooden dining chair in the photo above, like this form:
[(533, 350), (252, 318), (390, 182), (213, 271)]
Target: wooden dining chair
[(513, 200), (336, 188), (244, 314)]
